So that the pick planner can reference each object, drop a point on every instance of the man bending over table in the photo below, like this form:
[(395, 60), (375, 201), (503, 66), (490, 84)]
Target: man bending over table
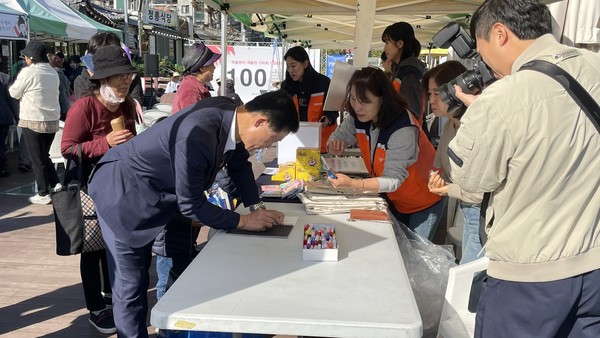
[(139, 186)]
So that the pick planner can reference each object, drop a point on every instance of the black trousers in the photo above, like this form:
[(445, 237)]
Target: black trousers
[(38, 145), (24, 158), (93, 267)]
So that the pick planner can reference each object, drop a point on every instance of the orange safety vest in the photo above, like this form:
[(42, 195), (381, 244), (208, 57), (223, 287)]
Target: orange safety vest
[(413, 194), (315, 112)]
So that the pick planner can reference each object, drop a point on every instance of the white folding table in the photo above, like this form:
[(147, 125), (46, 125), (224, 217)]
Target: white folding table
[(255, 284)]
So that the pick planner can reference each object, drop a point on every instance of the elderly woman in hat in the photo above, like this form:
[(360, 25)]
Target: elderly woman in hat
[(36, 87), (199, 68), (173, 85), (89, 124)]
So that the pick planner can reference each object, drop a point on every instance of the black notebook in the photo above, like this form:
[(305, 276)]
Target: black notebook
[(279, 230)]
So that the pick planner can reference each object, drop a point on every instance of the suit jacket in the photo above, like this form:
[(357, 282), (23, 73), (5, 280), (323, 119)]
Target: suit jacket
[(139, 185)]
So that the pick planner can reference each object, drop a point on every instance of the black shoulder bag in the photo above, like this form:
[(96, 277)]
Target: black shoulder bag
[(75, 218)]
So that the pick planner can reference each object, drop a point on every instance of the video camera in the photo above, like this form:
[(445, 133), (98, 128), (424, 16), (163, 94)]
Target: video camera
[(471, 81)]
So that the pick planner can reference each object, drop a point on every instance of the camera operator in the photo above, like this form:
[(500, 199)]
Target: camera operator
[(528, 143)]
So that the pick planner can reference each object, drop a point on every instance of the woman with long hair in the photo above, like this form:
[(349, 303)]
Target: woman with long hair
[(403, 49), (395, 150), (308, 88)]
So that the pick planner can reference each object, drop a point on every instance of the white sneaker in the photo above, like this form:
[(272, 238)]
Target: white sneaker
[(37, 199), (57, 187)]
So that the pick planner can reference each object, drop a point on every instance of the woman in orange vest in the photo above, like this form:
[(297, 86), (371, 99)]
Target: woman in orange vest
[(394, 149), (401, 46), (308, 89)]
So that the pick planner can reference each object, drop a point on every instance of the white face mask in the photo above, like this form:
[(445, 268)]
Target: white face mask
[(109, 95)]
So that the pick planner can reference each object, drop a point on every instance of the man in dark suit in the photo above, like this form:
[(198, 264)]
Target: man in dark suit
[(140, 185)]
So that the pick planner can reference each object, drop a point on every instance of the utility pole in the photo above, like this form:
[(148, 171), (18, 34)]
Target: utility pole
[(126, 23), (224, 21), (140, 28)]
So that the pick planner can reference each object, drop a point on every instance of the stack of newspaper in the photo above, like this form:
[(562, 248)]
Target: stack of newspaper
[(324, 199)]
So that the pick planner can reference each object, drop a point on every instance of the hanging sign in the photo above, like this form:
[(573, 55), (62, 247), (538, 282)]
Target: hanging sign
[(162, 18), (13, 27)]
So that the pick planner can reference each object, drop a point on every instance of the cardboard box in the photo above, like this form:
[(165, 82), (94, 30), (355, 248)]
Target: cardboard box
[(308, 163), (287, 172), (319, 243)]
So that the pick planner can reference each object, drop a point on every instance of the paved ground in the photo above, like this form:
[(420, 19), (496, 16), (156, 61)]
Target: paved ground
[(40, 292)]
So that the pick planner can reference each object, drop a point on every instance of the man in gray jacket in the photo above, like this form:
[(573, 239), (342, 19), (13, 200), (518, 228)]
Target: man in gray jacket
[(530, 145)]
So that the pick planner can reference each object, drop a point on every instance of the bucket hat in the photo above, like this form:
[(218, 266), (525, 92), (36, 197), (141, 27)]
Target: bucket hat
[(36, 51), (198, 56), (111, 60)]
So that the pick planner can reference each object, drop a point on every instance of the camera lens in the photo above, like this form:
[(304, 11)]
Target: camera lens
[(448, 96), (470, 82)]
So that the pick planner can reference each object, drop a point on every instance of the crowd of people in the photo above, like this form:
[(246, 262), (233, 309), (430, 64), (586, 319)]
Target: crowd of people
[(521, 158)]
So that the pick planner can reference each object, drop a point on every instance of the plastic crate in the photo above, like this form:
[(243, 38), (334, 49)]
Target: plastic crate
[(206, 334)]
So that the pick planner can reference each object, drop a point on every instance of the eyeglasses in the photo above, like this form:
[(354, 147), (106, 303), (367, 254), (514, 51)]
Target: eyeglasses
[(125, 77)]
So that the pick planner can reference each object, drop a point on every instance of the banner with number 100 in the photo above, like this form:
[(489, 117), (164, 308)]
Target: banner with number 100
[(253, 69)]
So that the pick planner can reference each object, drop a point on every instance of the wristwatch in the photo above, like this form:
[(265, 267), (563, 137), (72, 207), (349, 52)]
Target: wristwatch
[(259, 205)]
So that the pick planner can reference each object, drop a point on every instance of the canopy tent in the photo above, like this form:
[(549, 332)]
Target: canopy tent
[(347, 24), (343, 24), (54, 20), (13, 24), (332, 24), (577, 23)]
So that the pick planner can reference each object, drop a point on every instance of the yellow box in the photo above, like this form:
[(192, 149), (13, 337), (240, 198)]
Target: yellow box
[(308, 163), (287, 172)]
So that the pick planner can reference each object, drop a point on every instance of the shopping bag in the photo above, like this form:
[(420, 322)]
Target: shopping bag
[(68, 220), (75, 218)]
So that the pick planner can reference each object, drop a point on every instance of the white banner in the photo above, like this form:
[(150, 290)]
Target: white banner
[(253, 69), (13, 27)]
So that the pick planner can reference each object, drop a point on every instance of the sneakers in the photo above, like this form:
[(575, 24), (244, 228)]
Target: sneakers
[(103, 321), (57, 187), (37, 199)]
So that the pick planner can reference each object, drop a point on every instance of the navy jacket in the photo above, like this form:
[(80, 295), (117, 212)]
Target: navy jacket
[(9, 107), (139, 185)]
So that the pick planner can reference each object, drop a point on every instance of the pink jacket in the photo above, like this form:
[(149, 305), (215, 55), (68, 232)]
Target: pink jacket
[(190, 91)]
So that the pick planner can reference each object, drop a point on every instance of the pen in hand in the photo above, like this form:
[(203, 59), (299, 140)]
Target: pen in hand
[(329, 171)]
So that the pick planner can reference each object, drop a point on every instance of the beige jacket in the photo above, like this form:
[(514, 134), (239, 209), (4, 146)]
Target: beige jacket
[(528, 142), (37, 87)]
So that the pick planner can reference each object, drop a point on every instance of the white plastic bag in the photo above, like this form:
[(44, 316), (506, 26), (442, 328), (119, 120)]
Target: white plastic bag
[(427, 265)]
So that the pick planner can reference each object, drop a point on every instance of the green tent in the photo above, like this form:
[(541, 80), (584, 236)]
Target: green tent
[(54, 20)]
